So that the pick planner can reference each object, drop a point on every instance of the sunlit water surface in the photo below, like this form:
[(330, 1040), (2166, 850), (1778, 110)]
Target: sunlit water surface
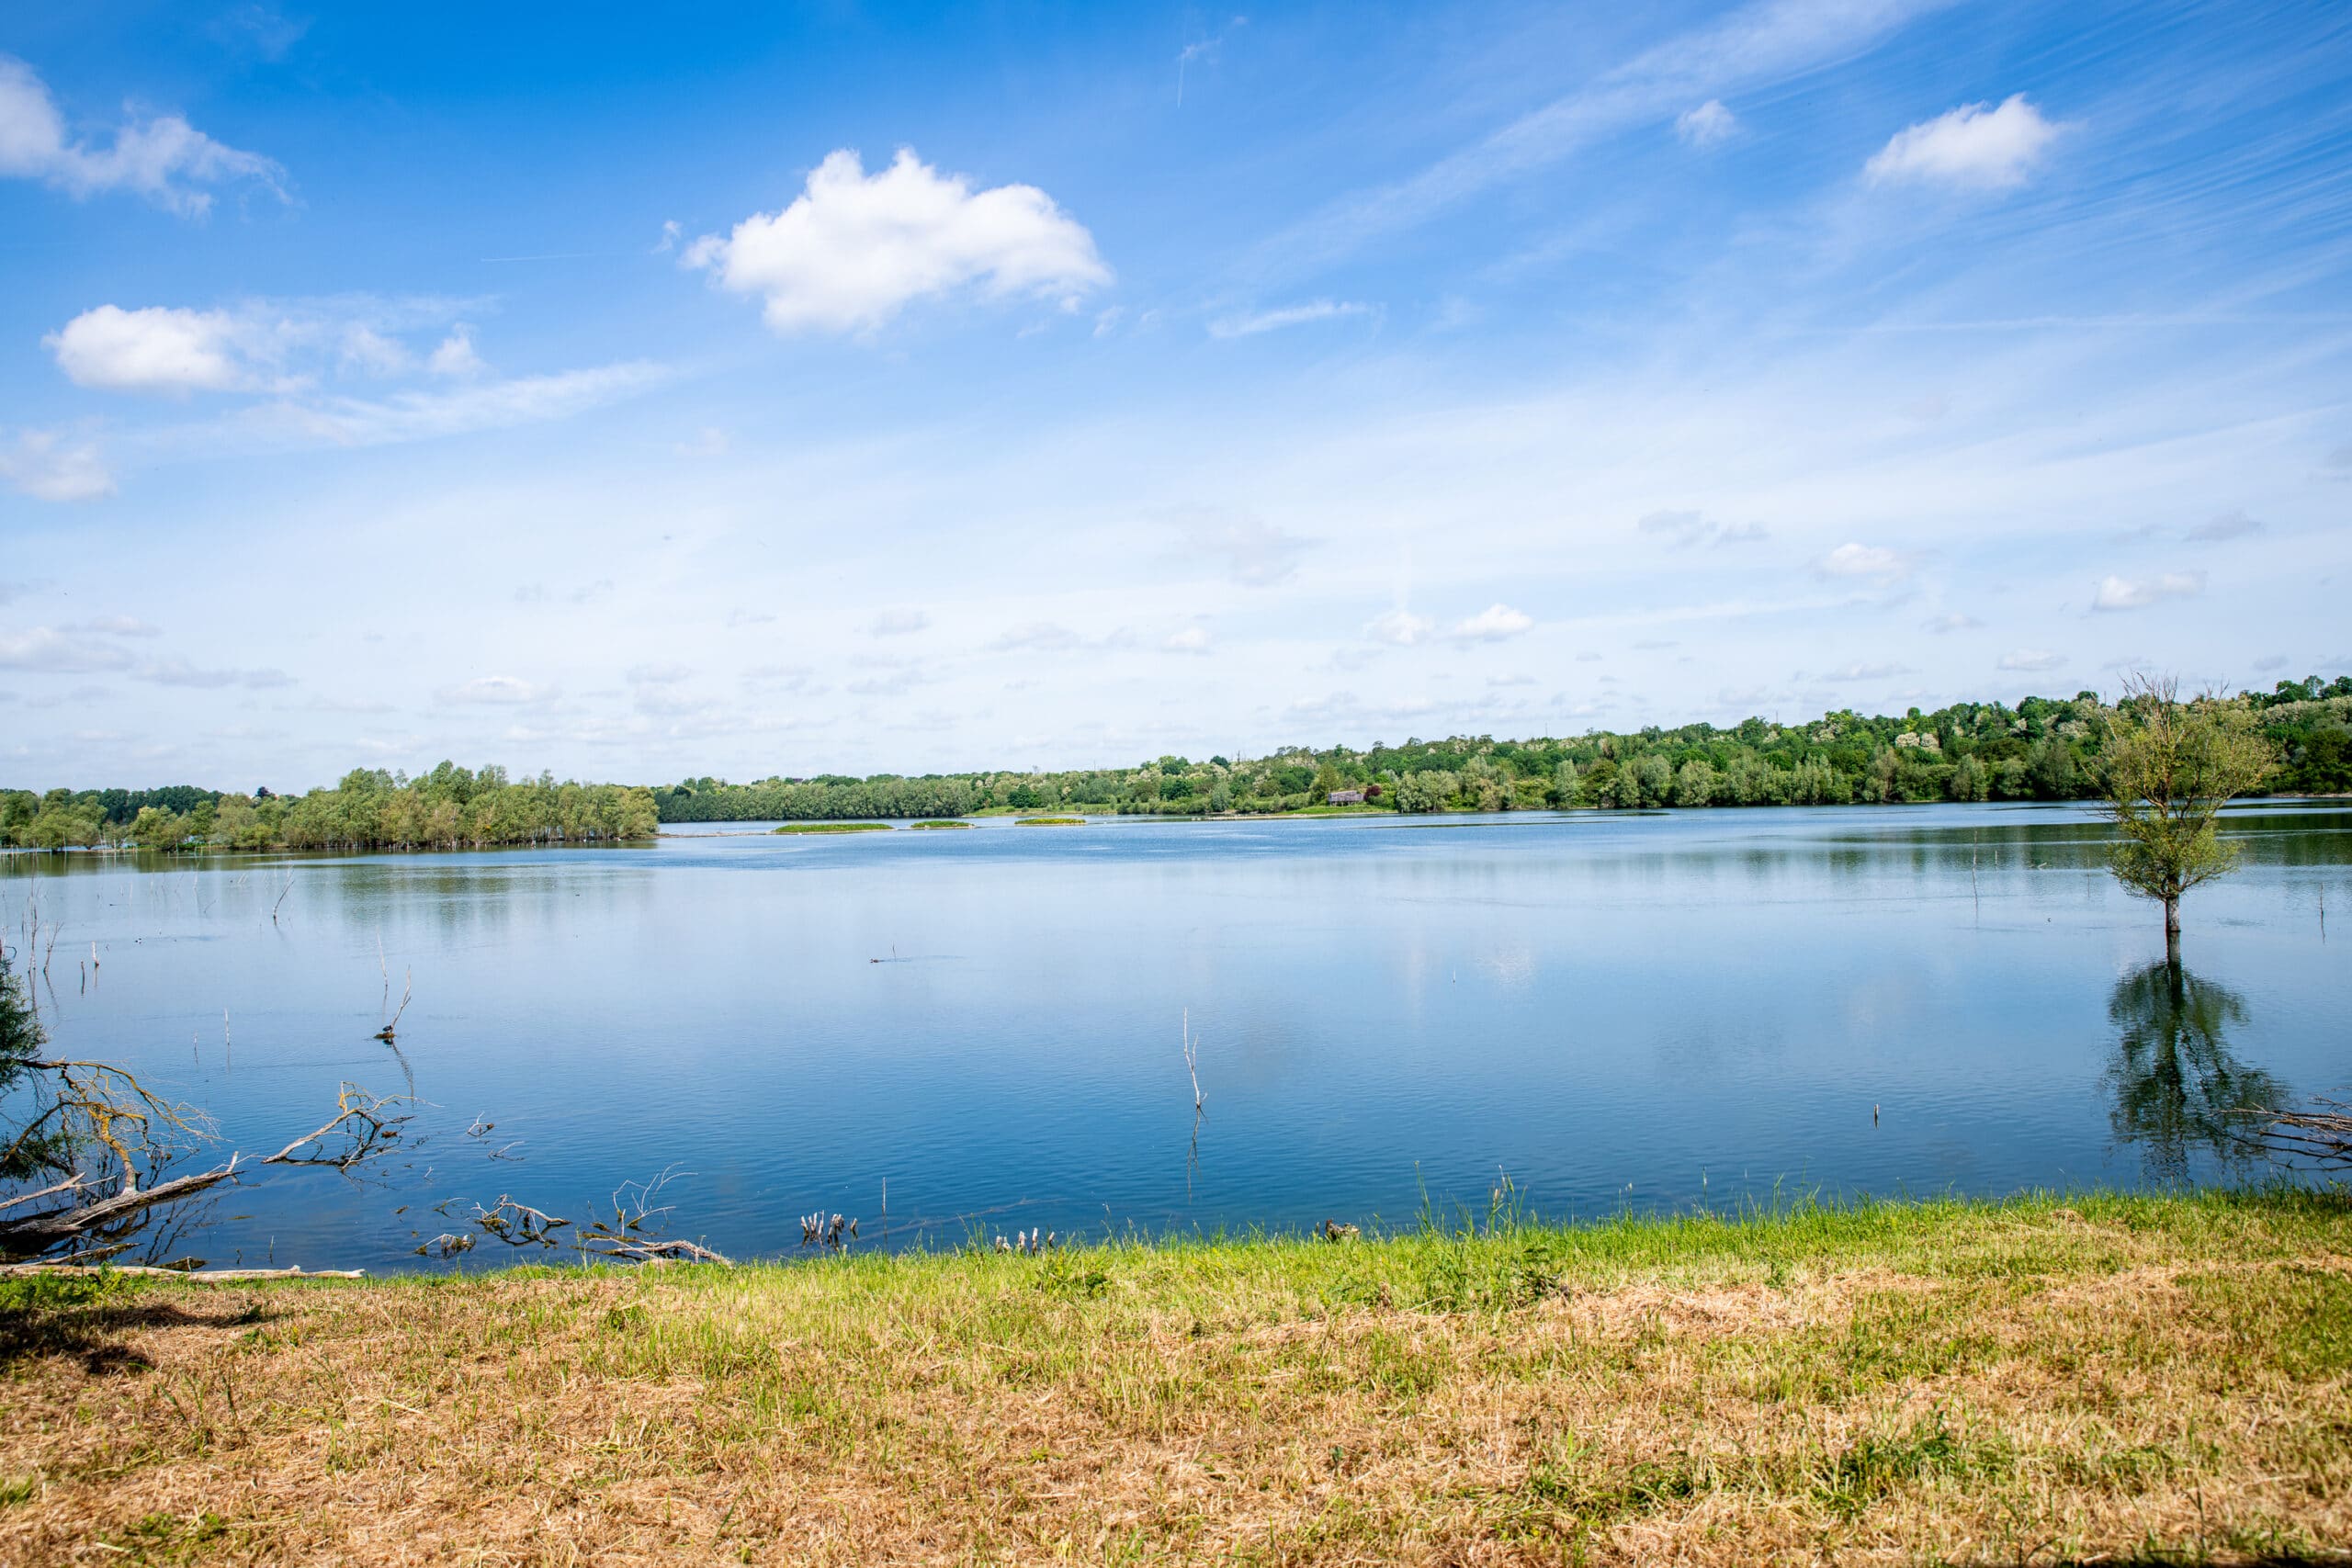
[(1657, 1011)]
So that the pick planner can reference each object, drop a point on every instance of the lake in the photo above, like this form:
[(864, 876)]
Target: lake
[(1653, 1010)]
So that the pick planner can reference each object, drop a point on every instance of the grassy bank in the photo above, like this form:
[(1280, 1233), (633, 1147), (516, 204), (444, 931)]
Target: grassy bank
[(2044, 1378)]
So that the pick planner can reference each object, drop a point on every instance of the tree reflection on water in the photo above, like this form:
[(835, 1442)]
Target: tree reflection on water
[(2179, 1092)]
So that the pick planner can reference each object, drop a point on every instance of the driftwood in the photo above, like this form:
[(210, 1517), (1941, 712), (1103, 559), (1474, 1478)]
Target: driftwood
[(363, 1126), (140, 1271)]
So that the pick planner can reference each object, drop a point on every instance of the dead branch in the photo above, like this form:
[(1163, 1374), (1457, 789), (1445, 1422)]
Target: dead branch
[(360, 1129), (519, 1225), (2320, 1138)]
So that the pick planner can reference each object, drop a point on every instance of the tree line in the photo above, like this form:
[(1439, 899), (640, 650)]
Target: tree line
[(2042, 749), (368, 808)]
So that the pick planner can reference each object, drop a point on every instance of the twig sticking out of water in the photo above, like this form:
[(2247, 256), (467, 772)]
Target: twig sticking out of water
[(836, 1233), (1191, 1059), (281, 898)]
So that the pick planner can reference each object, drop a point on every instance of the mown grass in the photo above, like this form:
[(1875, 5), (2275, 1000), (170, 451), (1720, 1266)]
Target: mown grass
[(2139, 1378)]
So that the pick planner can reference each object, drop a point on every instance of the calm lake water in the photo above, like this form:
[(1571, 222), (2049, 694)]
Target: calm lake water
[(1657, 1011)]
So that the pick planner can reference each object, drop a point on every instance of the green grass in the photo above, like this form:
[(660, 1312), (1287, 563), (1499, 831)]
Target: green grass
[(2070, 1377), (1049, 821), (834, 827), (944, 823)]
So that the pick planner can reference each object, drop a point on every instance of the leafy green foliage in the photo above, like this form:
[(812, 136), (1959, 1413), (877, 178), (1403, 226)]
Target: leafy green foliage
[(2044, 749), (449, 807)]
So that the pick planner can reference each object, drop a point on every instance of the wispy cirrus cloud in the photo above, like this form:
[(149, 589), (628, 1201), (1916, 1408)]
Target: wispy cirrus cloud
[(1251, 323), (164, 159), (50, 467)]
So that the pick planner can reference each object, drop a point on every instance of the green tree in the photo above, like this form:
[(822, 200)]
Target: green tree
[(2172, 766)]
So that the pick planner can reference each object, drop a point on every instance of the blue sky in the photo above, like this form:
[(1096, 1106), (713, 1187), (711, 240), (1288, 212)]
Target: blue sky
[(860, 388)]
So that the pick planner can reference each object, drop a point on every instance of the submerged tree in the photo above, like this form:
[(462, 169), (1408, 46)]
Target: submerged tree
[(2172, 766), (86, 1148)]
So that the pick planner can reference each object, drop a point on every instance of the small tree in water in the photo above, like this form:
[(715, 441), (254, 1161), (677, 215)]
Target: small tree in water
[(2171, 768)]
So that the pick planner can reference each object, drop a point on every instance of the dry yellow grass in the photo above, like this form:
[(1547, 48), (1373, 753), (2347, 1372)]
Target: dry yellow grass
[(2107, 1379)]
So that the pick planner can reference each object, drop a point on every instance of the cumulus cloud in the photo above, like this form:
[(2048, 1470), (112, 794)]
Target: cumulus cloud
[(281, 346), (157, 349), (1496, 623), (2138, 594), (1866, 672), (2031, 660), (1974, 146), (49, 467), (1400, 626), (1250, 324), (496, 691), (898, 622), (164, 160), (1707, 125), (1189, 639), (1864, 561), (1952, 621), (855, 249), (120, 625), (1256, 553), (657, 674)]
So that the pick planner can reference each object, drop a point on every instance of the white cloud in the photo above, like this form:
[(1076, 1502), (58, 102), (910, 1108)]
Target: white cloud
[(120, 625), (1400, 626), (456, 357), (1864, 561), (51, 651), (162, 159), (2031, 660), (1257, 554), (1685, 529), (1707, 125), (853, 250), (1493, 624), (657, 674), (709, 442), (1037, 637), (49, 468), (1288, 316), (370, 352), (1971, 146), (896, 623), (503, 690), (180, 673), (157, 349), (416, 415), (2138, 594), (1866, 672), (1953, 621), (1191, 640)]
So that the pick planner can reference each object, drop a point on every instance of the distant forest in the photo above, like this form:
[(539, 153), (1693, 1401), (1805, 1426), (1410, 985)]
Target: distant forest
[(2044, 749), (449, 807)]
